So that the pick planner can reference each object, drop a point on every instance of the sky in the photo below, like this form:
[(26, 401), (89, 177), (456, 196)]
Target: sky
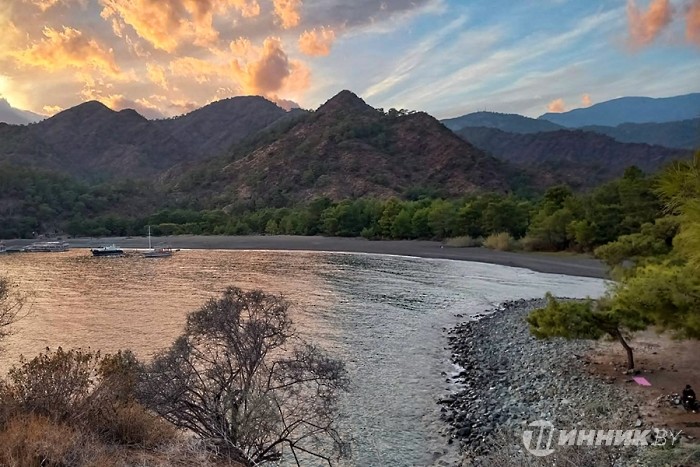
[(445, 57)]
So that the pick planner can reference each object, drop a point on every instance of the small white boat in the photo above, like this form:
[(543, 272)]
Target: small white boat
[(46, 247), (160, 252)]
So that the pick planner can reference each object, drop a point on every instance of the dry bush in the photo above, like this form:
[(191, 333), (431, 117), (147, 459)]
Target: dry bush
[(86, 392), (55, 384), (183, 452), (131, 424), (464, 241), (33, 440), (500, 241)]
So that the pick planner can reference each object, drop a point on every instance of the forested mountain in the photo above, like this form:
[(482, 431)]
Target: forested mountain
[(684, 134), (630, 110), (347, 149), (215, 128), (247, 153), (93, 142), (579, 158)]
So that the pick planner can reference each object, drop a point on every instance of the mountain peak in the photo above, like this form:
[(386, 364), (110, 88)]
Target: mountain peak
[(345, 101), (86, 109)]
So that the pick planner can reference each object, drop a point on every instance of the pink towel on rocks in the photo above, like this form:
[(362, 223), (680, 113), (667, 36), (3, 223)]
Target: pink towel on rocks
[(642, 381)]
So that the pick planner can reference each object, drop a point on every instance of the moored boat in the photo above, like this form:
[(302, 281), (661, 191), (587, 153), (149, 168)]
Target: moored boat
[(162, 252), (159, 252), (46, 247), (111, 250)]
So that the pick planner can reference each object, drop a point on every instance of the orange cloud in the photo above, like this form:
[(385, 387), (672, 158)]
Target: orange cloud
[(317, 42), (241, 47), (165, 24), (160, 23), (556, 106), (272, 72), (288, 12), (692, 22), (68, 49), (156, 74), (645, 26), (267, 74), (586, 100), (202, 71), (44, 5), (52, 109)]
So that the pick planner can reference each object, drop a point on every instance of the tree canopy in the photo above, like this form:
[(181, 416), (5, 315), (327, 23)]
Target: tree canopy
[(656, 270)]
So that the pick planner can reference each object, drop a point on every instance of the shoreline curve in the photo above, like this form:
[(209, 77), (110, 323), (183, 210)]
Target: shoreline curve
[(570, 265)]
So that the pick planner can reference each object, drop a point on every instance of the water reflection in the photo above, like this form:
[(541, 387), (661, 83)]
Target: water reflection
[(383, 315)]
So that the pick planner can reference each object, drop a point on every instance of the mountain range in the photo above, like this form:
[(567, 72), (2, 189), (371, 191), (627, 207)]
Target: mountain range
[(9, 114), (578, 158), (684, 134), (92, 142), (347, 149), (248, 148), (630, 110)]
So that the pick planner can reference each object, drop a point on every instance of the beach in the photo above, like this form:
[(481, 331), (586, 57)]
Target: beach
[(560, 263)]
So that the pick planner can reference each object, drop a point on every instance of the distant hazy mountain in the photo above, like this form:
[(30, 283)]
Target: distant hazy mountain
[(684, 134), (630, 110), (580, 158), (512, 123), (9, 114)]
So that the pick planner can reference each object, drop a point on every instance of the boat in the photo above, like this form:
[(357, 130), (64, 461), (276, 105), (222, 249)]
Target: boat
[(159, 252), (46, 247), (162, 252), (111, 250)]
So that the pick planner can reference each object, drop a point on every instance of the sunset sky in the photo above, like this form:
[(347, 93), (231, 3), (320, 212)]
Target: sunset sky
[(447, 57)]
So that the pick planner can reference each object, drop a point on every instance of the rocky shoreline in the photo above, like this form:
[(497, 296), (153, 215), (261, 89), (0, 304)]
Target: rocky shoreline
[(509, 379)]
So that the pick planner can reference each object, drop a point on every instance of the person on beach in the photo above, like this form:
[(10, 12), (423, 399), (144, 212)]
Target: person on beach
[(688, 399)]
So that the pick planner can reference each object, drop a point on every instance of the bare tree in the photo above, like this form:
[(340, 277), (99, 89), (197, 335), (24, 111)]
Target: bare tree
[(240, 379), (12, 304)]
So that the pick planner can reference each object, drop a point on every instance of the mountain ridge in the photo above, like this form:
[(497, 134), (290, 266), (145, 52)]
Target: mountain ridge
[(13, 116), (347, 149), (579, 158), (93, 142), (513, 123), (631, 109)]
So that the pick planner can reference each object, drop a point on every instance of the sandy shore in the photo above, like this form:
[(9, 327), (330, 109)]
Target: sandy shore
[(572, 265)]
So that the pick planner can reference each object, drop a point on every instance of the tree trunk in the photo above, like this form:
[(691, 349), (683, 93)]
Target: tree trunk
[(630, 356)]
